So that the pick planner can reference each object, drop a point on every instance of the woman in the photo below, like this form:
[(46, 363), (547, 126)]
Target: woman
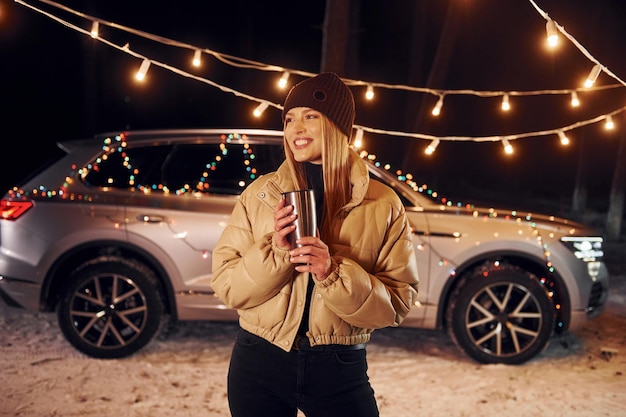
[(306, 313)]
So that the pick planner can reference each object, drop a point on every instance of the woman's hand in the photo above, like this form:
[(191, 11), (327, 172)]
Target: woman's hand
[(283, 224), (312, 256)]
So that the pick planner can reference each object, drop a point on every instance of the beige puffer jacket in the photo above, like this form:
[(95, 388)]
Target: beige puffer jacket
[(373, 283)]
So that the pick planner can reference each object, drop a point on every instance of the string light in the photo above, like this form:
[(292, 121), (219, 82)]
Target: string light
[(551, 33), (608, 124), (593, 76), (574, 100), (564, 139), (260, 109), (506, 106), (282, 83), (245, 63), (430, 149), (197, 58), (358, 138), (508, 149), (95, 29), (369, 94), (437, 109), (143, 70)]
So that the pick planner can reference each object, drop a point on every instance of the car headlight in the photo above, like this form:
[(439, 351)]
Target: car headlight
[(588, 249)]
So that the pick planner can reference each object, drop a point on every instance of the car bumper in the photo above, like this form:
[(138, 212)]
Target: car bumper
[(18, 293), (596, 300)]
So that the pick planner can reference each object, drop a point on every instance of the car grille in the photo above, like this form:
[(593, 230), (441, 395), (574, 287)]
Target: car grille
[(596, 298)]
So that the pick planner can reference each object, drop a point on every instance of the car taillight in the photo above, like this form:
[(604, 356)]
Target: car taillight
[(11, 210)]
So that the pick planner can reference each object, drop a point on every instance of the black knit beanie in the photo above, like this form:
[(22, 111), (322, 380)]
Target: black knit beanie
[(327, 94)]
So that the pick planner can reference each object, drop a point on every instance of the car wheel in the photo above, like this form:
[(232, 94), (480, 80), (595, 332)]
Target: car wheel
[(111, 308), (501, 315)]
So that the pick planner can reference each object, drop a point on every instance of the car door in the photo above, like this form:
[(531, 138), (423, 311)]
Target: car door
[(184, 205)]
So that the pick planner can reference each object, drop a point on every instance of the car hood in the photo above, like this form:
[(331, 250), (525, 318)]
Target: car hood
[(498, 217)]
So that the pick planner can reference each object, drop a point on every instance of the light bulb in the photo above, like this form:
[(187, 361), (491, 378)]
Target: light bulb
[(260, 109), (437, 109), (506, 106), (508, 149), (609, 124), (358, 138), (369, 94), (282, 83), (551, 33), (575, 102), (564, 139), (593, 75), (143, 70), (431, 147), (95, 29), (197, 58)]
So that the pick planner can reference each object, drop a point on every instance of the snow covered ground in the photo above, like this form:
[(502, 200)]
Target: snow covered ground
[(413, 372)]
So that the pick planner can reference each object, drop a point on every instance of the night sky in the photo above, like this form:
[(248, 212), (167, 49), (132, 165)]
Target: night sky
[(58, 84)]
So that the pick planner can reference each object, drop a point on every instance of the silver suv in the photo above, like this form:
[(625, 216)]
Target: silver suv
[(117, 235)]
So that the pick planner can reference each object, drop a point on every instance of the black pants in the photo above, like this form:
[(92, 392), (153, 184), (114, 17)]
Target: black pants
[(264, 380)]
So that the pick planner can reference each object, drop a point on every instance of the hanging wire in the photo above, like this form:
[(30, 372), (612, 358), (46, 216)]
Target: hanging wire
[(250, 64)]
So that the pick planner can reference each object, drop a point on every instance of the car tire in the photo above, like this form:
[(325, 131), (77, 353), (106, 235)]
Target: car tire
[(501, 315), (111, 308)]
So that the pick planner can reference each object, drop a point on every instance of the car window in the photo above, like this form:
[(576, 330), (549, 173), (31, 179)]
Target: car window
[(221, 168)]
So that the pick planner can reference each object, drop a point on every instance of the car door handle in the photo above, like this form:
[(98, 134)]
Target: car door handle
[(149, 218)]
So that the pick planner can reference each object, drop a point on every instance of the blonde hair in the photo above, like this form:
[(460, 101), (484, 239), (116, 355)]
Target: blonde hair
[(336, 173)]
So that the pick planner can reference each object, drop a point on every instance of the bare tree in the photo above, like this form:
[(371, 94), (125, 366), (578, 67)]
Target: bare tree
[(616, 199), (438, 69), (579, 198), (336, 33)]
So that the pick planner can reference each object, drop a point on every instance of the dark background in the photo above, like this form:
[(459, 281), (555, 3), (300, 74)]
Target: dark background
[(57, 84)]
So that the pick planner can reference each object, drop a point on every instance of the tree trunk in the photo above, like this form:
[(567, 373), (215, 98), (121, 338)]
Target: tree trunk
[(615, 214), (438, 70), (335, 36), (579, 199), (417, 66)]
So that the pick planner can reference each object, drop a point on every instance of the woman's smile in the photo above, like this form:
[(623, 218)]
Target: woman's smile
[(303, 132)]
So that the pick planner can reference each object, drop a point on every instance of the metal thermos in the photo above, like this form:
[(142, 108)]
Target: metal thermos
[(303, 202)]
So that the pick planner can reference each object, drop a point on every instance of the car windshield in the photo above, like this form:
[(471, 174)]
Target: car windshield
[(411, 193)]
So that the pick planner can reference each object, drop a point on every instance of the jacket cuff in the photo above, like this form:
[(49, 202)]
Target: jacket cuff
[(332, 277)]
